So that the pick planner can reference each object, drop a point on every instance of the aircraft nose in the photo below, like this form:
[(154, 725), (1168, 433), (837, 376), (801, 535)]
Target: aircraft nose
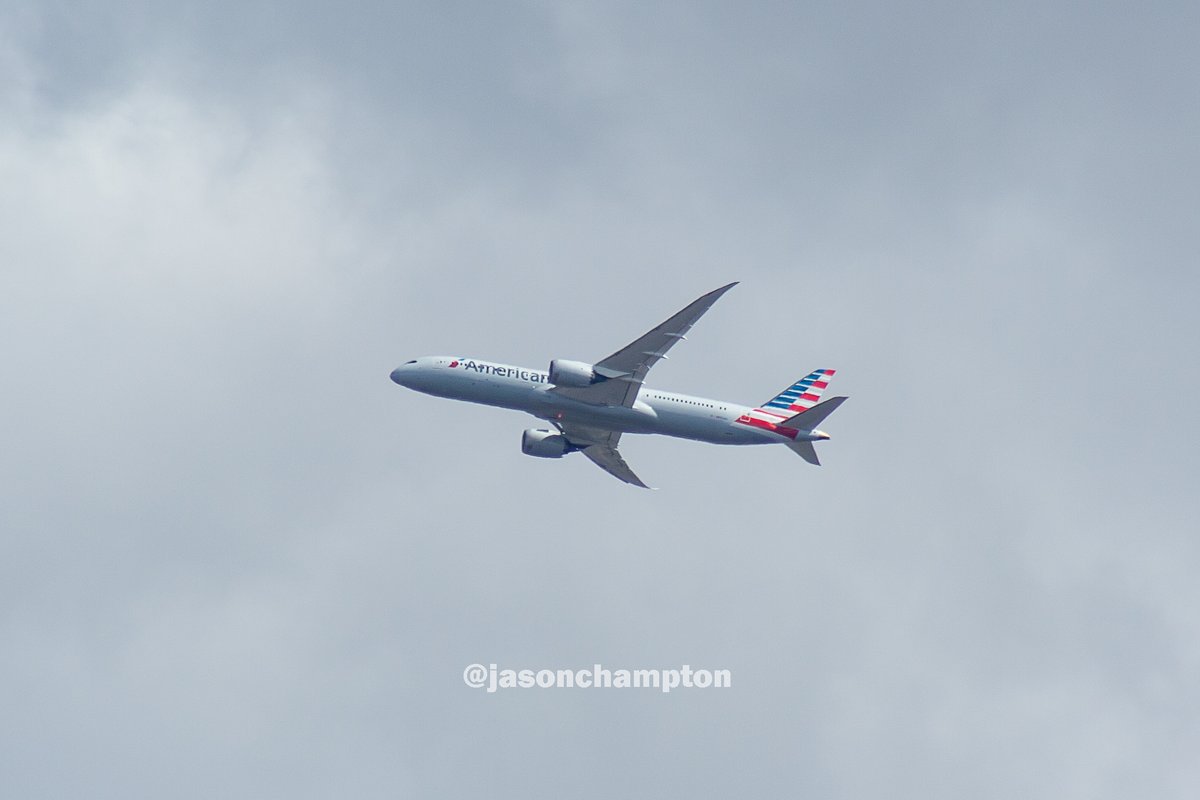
[(407, 373)]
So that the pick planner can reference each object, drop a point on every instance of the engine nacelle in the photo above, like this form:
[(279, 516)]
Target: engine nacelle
[(572, 373), (544, 443)]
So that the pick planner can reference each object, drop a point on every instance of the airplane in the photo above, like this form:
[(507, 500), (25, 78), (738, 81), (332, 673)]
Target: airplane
[(590, 406)]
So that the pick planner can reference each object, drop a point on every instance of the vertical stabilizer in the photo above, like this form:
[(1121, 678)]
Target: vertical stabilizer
[(801, 395)]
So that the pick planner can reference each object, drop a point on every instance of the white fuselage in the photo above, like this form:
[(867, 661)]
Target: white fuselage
[(528, 390)]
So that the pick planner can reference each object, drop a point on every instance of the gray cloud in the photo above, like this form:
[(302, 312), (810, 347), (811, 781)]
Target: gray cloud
[(236, 559)]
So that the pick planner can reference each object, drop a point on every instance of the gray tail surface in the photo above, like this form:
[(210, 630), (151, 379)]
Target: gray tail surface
[(809, 419), (806, 451)]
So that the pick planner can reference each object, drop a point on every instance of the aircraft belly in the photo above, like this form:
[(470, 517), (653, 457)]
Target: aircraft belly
[(689, 427), (481, 390), (713, 429), (639, 419)]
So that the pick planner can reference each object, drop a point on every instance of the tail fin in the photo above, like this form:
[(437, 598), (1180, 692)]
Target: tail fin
[(802, 394)]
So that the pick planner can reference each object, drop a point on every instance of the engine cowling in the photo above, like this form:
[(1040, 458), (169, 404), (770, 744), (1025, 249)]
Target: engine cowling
[(544, 444), (572, 373)]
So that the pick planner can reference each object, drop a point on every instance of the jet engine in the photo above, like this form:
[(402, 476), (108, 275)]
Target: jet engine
[(544, 443), (572, 373)]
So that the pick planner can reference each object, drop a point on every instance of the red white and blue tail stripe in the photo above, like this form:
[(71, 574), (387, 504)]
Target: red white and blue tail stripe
[(801, 395)]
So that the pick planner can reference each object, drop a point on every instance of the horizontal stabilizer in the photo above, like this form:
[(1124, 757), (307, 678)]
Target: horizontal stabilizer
[(810, 419), (806, 451)]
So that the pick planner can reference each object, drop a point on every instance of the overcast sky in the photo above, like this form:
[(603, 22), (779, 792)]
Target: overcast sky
[(237, 561)]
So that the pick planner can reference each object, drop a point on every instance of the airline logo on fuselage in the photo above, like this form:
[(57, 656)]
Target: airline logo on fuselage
[(504, 372)]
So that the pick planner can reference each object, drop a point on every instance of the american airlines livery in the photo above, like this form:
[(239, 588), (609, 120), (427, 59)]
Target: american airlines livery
[(591, 405)]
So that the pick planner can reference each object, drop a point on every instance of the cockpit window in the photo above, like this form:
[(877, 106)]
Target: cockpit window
[(406, 363)]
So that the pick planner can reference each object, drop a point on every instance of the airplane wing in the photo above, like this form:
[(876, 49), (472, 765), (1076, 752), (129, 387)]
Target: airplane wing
[(609, 460), (626, 369), (601, 447)]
